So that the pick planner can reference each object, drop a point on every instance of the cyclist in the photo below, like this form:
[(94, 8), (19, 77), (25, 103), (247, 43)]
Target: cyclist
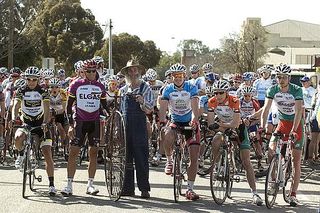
[(61, 74), (3, 74), (197, 80), (289, 100), (227, 110), (262, 84), (100, 62), (237, 80), (88, 94), (33, 101), (47, 75), (58, 103), (182, 99)]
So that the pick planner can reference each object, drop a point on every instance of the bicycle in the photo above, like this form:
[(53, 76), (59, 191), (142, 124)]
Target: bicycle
[(279, 172), (30, 162), (153, 141), (181, 160), (222, 174), (115, 151)]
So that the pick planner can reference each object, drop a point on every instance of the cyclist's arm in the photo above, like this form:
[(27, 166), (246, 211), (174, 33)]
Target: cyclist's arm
[(16, 107), (71, 100), (265, 111), (163, 109), (46, 107), (298, 115), (195, 108), (2, 105)]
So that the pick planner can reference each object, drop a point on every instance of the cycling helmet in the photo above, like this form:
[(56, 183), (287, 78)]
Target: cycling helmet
[(90, 64), (3, 70), (151, 75), (19, 83), (98, 59), (54, 82), (207, 67), (48, 73), (194, 68), (237, 77), (283, 69), (209, 90), (246, 90), (221, 85), (265, 68), (247, 76), (32, 71), (112, 78), (167, 73), (178, 68), (78, 65), (61, 72), (15, 70)]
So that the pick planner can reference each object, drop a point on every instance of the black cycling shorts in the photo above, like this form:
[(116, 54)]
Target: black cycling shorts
[(89, 128)]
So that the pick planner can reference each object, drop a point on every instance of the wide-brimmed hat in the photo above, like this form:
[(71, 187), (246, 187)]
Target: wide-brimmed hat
[(133, 63)]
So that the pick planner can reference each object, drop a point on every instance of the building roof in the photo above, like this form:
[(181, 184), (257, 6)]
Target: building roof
[(295, 29)]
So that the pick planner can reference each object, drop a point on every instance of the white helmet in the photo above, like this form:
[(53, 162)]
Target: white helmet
[(209, 90), (54, 82), (178, 68), (48, 73), (221, 85), (194, 68), (151, 75), (266, 68), (207, 67), (19, 83), (32, 71), (283, 69), (246, 90)]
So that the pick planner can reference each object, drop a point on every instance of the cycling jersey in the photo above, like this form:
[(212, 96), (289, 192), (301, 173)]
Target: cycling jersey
[(32, 102), (203, 103), (199, 82), (225, 110), (261, 85), (308, 93), (156, 89), (56, 101), (285, 102), (248, 108), (233, 91), (88, 95), (180, 101)]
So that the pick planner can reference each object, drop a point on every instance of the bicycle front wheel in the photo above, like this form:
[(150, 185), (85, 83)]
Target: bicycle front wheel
[(287, 189), (177, 179), (116, 151), (271, 185), (25, 172), (219, 180)]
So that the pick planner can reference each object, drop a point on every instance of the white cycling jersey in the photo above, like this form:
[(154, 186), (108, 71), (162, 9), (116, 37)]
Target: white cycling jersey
[(308, 93)]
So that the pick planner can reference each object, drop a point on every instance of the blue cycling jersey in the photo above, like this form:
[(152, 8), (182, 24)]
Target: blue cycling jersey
[(204, 103), (261, 85), (180, 101)]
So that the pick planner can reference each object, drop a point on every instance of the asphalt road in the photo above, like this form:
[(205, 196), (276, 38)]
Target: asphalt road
[(161, 195)]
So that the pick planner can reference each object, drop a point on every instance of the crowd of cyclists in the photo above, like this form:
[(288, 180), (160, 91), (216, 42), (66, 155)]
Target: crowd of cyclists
[(253, 103)]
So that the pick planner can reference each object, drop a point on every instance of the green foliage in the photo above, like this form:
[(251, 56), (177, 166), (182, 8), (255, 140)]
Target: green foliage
[(193, 44), (124, 46), (166, 61)]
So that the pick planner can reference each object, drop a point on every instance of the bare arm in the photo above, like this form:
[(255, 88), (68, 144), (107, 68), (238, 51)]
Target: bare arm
[(265, 112), (163, 109), (15, 109), (195, 109), (297, 115), (46, 115)]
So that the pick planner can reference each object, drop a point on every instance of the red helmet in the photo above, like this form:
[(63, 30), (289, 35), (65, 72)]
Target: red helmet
[(90, 64)]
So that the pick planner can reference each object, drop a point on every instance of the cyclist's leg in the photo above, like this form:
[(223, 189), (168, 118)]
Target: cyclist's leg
[(93, 139), (168, 141), (314, 139), (45, 145), (19, 137), (216, 144)]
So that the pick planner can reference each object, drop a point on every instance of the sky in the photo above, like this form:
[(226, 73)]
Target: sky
[(167, 22)]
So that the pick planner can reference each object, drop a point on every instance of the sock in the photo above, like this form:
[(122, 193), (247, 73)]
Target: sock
[(70, 180), (294, 194), (190, 185), (51, 181), (90, 182), (254, 192)]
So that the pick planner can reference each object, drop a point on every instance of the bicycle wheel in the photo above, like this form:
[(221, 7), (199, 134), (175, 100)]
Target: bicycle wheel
[(117, 151), (25, 164), (271, 185), (219, 181), (177, 179), (286, 191), (206, 156)]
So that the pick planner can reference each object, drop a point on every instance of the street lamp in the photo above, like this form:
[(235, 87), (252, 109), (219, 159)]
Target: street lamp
[(279, 51)]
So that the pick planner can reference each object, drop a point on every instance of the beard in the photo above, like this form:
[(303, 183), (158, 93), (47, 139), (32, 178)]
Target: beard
[(132, 79)]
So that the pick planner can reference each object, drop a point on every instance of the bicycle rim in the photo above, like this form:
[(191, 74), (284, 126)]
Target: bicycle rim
[(271, 187), (286, 191), (117, 152), (177, 182), (218, 181)]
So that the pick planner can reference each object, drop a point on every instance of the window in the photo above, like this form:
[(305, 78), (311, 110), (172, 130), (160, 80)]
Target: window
[(304, 59)]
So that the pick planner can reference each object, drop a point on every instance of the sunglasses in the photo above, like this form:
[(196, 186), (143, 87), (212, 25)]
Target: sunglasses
[(218, 93), (237, 82), (284, 77), (180, 75), (90, 71), (247, 95), (53, 87), (15, 76), (32, 79)]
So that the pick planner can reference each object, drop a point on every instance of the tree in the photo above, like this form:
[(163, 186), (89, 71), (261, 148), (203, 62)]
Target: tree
[(243, 52), (193, 44), (124, 46), (166, 61), (65, 31), (24, 11)]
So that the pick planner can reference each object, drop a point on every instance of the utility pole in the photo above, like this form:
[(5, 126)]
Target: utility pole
[(11, 30), (110, 44), (255, 38)]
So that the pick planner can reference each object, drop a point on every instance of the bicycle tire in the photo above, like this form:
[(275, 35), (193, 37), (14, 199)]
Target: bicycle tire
[(177, 181), (286, 191), (207, 156), (117, 153), (218, 180), (25, 172), (272, 167)]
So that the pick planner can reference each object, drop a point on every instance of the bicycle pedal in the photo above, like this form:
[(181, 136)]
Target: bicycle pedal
[(236, 179)]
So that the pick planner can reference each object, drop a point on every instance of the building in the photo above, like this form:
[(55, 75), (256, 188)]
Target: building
[(293, 42)]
